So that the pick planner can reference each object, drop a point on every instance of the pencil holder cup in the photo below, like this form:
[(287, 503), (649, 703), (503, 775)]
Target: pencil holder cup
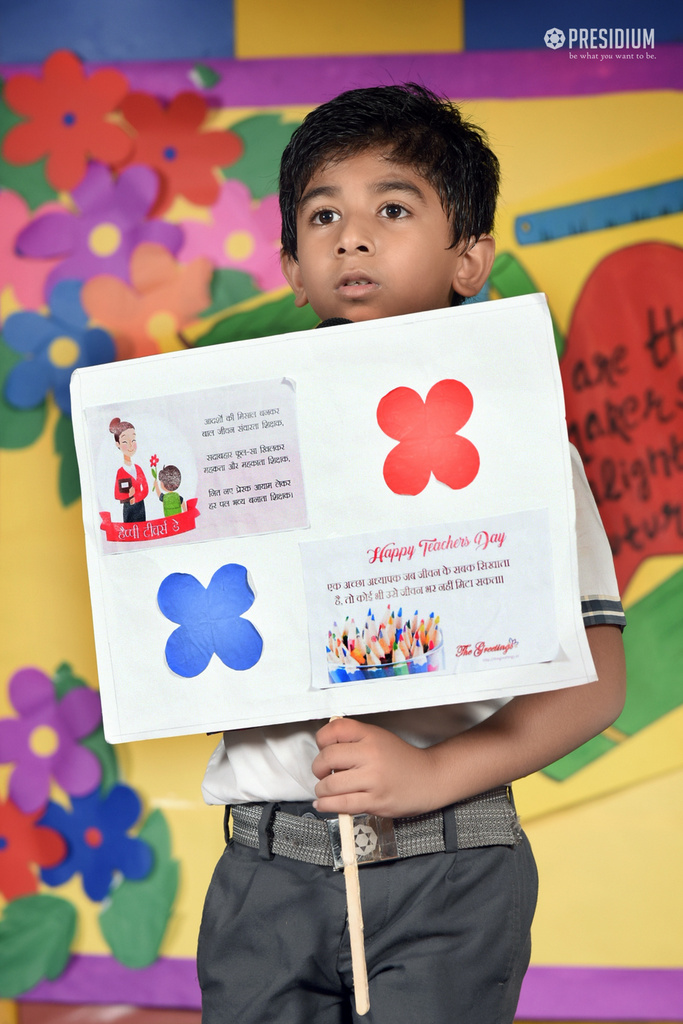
[(430, 661)]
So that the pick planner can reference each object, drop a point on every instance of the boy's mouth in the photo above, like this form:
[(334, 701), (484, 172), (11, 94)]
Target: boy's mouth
[(353, 284)]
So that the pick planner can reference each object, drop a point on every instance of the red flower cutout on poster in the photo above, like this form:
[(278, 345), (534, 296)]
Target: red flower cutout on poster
[(170, 140), (67, 119), (428, 438)]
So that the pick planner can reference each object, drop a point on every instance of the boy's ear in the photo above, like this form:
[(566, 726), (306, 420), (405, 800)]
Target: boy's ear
[(292, 272), (474, 265)]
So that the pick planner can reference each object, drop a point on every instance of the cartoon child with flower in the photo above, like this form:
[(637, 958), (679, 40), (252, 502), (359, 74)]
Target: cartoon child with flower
[(166, 485), (131, 487)]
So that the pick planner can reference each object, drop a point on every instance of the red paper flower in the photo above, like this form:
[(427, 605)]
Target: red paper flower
[(169, 140), (23, 843), (66, 119), (427, 433)]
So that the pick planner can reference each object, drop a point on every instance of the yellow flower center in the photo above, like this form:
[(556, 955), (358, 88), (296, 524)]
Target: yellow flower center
[(240, 245), (104, 239), (43, 741), (162, 327), (63, 351)]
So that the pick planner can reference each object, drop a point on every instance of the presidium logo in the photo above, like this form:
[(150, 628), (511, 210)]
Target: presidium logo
[(603, 39)]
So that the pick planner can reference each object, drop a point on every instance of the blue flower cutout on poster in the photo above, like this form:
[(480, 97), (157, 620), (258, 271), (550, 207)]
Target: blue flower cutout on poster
[(210, 621)]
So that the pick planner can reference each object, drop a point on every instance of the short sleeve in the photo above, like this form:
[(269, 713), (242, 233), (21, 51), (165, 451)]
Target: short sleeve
[(600, 601)]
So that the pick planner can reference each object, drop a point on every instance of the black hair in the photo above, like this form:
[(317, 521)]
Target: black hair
[(170, 477), (412, 126)]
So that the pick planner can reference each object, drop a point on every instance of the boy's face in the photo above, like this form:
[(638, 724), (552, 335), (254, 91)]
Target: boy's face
[(372, 241)]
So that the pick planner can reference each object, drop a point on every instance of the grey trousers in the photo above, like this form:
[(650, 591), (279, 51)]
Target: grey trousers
[(447, 939)]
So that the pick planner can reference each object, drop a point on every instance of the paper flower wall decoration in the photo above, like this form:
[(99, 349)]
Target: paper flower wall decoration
[(66, 119), (210, 621), (27, 277), (96, 833), (243, 235), (146, 316), (42, 741), (24, 843), (53, 347), (170, 140), (100, 238), (428, 438)]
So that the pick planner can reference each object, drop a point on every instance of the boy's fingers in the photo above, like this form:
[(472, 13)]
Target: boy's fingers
[(338, 757), (340, 730)]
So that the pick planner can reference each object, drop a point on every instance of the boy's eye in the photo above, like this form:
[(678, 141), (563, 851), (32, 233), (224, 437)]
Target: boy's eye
[(324, 217), (394, 211)]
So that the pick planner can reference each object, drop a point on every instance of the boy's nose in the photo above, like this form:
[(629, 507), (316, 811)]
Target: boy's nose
[(354, 238)]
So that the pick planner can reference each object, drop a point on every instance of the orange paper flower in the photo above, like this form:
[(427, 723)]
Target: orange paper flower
[(169, 140), (146, 318), (66, 119)]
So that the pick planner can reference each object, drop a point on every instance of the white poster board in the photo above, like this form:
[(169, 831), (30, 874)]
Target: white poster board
[(311, 562)]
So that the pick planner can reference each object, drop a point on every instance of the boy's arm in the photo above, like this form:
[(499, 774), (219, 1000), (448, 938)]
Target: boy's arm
[(365, 769)]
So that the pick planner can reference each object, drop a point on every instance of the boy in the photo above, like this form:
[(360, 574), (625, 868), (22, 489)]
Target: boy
[(168, 481), (387, 201)]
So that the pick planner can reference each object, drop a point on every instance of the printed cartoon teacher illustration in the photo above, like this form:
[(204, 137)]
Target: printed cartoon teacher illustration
[(131, 487)]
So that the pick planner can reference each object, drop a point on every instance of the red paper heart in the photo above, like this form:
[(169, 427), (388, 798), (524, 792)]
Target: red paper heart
[(623, 382)]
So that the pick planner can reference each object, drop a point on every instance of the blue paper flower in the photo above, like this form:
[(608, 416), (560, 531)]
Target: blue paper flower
[(210, 621), (95, 831), (53, 347)]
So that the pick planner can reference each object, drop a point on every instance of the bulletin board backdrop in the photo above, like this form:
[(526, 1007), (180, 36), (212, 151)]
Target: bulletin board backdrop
[(159, 231)]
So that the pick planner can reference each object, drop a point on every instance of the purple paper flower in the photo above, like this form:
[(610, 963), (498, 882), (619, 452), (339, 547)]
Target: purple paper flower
[(53, 347), (110, 224), (42, 741), (210, 621), (96, 831)]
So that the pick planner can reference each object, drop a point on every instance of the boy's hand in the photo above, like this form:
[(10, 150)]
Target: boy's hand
[(364, 769)]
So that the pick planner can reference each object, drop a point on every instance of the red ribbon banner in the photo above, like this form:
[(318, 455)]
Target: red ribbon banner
[(150, 529)]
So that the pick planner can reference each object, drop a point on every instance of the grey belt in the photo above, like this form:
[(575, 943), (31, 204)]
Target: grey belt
[(485, 820)]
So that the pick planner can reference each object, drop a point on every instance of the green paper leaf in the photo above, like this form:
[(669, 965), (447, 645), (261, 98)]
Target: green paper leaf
[(106, 755), (228, 287), (579, 758), (277, 317), (36, 933), (654, 653), (28, 180), (203, 76), (69, 480), (135, 918), (18, 427), (264, 137), (64, 680)]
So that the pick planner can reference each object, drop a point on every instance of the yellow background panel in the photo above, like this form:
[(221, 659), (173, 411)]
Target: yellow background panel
[(310, 28), (610, 892)]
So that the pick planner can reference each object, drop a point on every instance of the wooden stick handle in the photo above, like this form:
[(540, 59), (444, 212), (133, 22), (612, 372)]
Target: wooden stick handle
[(354, 911), (355, 915)]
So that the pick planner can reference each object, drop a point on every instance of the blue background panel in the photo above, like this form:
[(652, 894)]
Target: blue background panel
[(103, 30), (498, 25)]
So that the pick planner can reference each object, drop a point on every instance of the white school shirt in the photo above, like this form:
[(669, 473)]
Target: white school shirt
[(273, 762)]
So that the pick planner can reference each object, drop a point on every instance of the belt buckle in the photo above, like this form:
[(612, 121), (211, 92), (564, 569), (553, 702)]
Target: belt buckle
[(375, 839)]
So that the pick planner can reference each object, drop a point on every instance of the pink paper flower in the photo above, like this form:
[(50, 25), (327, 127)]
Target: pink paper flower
[(244, 234), (26, 276), (43, 741)]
